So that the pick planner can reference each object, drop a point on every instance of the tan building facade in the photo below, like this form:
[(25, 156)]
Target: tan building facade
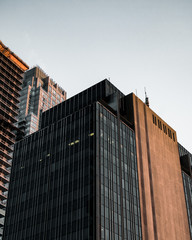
[(162, 199)]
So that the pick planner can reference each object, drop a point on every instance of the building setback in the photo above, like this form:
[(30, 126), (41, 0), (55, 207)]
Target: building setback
[(39, 93), (102, 166), (11, 70)]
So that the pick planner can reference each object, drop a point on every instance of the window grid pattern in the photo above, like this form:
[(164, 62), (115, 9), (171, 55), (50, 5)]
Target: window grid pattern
[(102, 90), (119, 190), (187, 182), (51, 194)]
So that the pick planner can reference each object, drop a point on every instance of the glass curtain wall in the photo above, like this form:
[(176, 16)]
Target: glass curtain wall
[(118, 206), (187, 183), (52, 194)]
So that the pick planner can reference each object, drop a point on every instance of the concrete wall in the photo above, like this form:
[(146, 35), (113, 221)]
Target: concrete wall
[(163, 207)]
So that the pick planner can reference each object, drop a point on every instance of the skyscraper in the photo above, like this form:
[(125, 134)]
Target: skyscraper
[(11, 70), (39, 93), (102, 166)]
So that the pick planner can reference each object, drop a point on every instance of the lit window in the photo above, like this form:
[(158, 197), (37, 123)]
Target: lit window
[(91, 134), (72, 143)]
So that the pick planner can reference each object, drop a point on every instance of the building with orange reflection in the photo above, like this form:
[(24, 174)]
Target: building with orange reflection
[(11, 70)]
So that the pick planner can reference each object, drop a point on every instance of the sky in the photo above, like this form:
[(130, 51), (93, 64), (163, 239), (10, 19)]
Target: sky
[(136, 43)]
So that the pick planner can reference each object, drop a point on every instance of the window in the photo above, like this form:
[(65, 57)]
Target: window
[(169, 133), (154, 120), (164, 129), (53, 97), (173, 137), (159, 124)]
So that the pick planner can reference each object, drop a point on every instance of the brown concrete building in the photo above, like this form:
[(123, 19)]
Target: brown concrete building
[(39, 93), (11, 70), (162, 198)]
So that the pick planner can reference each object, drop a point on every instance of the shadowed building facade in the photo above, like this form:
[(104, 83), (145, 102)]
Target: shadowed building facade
[(102, 166), (11, 71), (186, 166)]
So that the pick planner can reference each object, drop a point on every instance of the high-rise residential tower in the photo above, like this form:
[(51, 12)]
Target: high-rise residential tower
[(39, 93), (102, 166), (11, 70)]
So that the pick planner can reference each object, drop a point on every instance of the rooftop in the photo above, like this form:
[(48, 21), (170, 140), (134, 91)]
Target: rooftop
[(12, 56)]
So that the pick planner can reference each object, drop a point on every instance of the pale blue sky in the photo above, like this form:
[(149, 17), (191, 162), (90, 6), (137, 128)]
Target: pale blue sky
[(138, 43)]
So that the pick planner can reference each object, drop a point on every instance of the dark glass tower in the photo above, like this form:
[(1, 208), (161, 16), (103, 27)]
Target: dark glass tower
[(103, 166), (76, 178), (186, 165)]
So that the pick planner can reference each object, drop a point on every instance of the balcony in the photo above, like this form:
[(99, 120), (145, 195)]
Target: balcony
[(2, 222), (17, 76), (9, 100), (7, 115), (3, 204), (6, 146), (4, 161), (4, 178), (8, 73), (11, 64), (10, 107), (9, 86), (7, 129), (10, 92), (12, 82), (5, 153), (2, 213), (3, 195), (7, 126), (3, 187), (5, 137)]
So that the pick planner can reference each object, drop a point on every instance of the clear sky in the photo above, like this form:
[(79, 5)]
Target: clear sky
[(135, 43)]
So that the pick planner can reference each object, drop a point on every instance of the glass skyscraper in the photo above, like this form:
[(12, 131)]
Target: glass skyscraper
[(77, 177), (96, 170), (39, 93)]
